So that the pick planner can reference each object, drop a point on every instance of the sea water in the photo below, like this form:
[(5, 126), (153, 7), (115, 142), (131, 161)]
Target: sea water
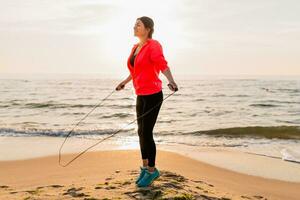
[(260, 115)]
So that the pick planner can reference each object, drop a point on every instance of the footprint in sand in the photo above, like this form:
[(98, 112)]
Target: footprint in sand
[(56, 186), (254, 196), (199, 181), (74, 192), (259, 197)]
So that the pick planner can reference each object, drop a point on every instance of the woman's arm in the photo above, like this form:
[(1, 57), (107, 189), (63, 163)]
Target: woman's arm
[(129, 78), (157, 57), (168, 74)]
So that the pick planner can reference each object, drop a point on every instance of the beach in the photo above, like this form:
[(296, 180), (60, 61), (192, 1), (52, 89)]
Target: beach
[(218, 142), (208, 91), (110, 174)]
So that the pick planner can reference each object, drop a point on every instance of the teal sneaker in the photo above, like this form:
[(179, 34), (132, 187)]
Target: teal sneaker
[(143, 169), (148, 178)]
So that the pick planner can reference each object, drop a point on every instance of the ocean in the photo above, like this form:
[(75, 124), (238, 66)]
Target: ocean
[(259, 115)]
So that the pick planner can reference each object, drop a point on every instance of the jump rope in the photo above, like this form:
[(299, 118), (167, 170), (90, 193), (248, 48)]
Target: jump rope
[(82, 152)]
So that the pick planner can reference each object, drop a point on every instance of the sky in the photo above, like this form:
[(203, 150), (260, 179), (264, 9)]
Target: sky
[(199, 37)]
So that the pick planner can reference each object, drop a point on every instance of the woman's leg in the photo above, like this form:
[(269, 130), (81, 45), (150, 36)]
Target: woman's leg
[(149, 120), (140, 105)]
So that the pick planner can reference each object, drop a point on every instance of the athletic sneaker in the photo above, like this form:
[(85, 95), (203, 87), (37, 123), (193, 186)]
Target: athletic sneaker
[(143, 169), (148, 178)]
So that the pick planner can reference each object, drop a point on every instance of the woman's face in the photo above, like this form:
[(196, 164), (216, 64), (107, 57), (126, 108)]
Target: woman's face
[(139, 29)]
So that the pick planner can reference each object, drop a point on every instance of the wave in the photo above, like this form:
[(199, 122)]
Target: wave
[(270, 132), (56, 133), (240, 95), (291, 90), (288, 121), (51, 104), (119, 115), (284, 102), (100, 115), (199, 99), (274, 102), (263, 105), (56, 105), (289, 155), (285, 155)]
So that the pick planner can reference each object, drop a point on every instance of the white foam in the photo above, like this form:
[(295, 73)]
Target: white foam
[(290, 155)]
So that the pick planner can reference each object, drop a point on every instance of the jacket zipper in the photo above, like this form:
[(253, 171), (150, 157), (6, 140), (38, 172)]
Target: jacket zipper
[(138, 53)]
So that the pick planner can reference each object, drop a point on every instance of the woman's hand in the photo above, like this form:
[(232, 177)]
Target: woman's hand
[(172, 85), (123, 83), (120, 86)]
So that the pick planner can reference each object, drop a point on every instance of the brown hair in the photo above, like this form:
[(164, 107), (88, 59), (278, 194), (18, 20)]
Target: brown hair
[(148, 23)]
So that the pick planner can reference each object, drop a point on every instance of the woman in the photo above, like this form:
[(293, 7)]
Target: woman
[(145, 62)]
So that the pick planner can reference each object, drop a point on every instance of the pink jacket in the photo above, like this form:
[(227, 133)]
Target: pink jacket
[(147, 64)]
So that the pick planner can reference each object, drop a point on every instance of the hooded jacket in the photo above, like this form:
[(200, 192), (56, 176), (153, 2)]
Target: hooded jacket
[(148, 63)]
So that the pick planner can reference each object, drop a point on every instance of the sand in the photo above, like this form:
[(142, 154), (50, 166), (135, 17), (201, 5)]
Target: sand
[(111, 174)]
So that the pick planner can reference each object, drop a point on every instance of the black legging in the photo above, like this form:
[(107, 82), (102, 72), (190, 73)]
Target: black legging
[(146, 124)]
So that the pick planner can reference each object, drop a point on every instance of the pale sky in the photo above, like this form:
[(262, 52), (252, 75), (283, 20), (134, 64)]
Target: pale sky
[(205, 37)]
